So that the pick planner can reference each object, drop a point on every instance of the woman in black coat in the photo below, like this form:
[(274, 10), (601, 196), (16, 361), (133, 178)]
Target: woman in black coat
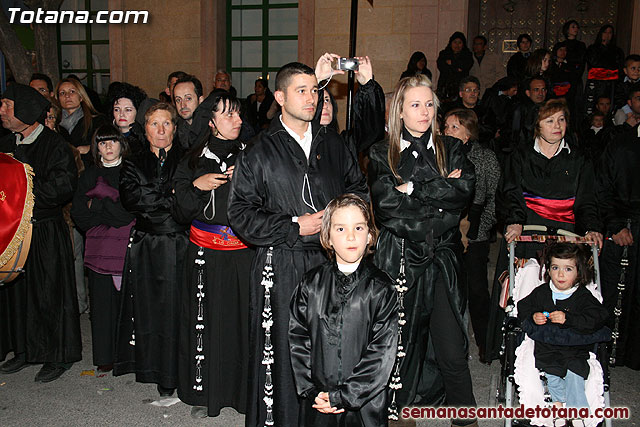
[(213, 364), (125, 100), (417, 65), (420, 184), (258, 105), (147, 337), (454, 63), (368, 108), (604, 64), (79, 117)]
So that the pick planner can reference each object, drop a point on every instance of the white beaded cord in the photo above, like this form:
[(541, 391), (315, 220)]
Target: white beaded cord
[(199, 357), (267, 322), (395, 384)]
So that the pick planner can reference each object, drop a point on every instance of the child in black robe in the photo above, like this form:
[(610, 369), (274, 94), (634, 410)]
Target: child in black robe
[(343, 328)]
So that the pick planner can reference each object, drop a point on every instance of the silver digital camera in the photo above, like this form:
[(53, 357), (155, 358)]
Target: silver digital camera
[(348, 64)]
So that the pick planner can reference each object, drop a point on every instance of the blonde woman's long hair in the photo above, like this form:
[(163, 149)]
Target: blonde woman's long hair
[(88, 109), (396, 124)]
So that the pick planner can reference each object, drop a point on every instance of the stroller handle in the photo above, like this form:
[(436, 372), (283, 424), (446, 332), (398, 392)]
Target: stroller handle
[(561, 236)]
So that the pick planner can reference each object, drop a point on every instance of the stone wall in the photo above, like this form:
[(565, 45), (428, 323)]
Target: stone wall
[(144, 54)]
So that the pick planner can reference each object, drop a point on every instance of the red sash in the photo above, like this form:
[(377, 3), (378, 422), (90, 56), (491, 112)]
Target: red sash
[(561, 89), (217, 237), (602, 74), (555, 210)]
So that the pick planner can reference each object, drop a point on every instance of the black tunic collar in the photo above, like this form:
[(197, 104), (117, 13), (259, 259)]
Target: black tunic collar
[(348, 282)]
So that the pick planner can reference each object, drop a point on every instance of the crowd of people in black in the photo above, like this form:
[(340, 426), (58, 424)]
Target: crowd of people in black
[(222, 238)]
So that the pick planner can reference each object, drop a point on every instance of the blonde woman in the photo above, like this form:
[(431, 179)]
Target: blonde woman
[(79, 117), (420, 183)]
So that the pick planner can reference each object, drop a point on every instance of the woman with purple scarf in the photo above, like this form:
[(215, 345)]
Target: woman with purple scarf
[(98, 212)]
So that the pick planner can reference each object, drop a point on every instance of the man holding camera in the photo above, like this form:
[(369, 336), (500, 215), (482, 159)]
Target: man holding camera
[(280, 187)]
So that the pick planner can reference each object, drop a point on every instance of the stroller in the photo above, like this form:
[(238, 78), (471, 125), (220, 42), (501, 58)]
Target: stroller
[(513, 374)]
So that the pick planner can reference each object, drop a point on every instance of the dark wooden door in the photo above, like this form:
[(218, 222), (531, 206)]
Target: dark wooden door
[(501, 21)]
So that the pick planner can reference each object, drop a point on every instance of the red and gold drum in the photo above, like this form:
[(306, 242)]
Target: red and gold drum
[(16, 209)]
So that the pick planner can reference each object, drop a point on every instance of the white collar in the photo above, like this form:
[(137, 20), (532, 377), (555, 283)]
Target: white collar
[(563, 144), (31, 138), (112, 165), (348, 268), (555, 290), (210, 155), (305, 141), (307, 133), (405, 144)]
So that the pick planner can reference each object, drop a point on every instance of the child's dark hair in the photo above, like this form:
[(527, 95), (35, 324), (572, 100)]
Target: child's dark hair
[(107, 132), (578, 252), (342, 202)]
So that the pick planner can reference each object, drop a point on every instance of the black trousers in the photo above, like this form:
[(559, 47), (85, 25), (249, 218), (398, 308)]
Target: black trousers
[(448, 343), (436, 357), (475, 269), (104, 301)]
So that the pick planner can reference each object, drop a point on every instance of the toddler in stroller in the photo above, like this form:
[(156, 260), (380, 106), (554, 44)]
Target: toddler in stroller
[(564, 320)]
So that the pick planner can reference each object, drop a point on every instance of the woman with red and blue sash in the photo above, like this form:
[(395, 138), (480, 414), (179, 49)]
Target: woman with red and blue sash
[(604, 67), (214, 314), (547, 182)]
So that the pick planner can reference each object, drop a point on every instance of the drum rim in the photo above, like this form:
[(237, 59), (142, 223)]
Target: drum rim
[(27, 214)]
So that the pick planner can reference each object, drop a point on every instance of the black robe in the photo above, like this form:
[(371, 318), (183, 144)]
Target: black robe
[(39, 310), (517, 65), (224, 302), (427, 220), (451, 74), (266, 192), (147, 336), (606, 57), (618, 196), (343, 335), (368, 117), (584, 315)]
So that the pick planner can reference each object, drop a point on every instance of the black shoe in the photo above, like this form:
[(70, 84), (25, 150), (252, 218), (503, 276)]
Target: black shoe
[(50, 372), (165, 392), (105, 368), (199, 412), (16, 364)]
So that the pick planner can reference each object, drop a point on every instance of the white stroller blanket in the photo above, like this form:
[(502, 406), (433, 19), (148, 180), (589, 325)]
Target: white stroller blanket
[(527, 376)]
